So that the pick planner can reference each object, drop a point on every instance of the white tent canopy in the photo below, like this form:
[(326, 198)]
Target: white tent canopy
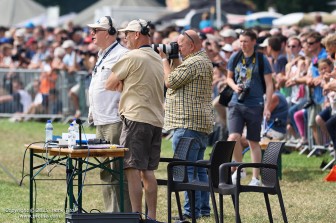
[(289, 19), (302, 19), (121, 10), (16, 11)]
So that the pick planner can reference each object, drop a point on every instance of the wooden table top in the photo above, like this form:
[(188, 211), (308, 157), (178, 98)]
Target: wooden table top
[(78, 153)]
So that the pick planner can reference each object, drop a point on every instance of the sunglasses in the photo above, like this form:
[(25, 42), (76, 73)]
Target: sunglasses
[(291, 46), (95, 30), (126, 32), (311, 43), (192, 40)]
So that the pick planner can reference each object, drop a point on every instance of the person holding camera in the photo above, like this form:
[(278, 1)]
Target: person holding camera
[(247, 106), (139, 76), (103, 109), (189, 110)]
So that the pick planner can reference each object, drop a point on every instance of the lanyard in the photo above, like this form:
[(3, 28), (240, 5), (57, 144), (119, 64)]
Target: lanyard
[(253, 60), (106, 54), (248, 71)]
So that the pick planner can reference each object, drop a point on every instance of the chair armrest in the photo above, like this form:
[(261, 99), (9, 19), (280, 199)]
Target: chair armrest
[(257, 165), (188, 163), (232, 164), (168, 160), (225, 170), (207, 162)]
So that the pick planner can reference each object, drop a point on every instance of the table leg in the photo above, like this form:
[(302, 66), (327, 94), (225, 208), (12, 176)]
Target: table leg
[(121, 183), (31, 181), (70, 175), (80, 188)]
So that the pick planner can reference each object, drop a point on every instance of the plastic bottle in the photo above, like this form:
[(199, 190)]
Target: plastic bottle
[(49, 131), (71, 137), (76, 129)]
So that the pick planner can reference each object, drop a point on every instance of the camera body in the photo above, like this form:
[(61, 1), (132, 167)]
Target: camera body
[(171, 49), (242, 95)]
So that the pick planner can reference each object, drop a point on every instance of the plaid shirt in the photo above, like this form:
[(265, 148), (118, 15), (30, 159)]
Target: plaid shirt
[(188, 100)]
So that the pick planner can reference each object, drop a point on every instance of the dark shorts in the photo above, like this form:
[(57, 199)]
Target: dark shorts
[(251, 117), (144, 143), (325, 114)]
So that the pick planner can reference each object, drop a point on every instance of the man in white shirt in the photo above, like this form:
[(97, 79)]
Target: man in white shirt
[(103, 109)]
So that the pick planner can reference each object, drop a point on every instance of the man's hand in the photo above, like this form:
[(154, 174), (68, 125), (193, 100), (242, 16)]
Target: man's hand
[(120, 86)]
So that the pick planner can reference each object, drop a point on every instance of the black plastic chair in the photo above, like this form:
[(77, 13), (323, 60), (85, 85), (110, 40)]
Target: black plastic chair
[(221, 153), (180, 154), (269, 179)]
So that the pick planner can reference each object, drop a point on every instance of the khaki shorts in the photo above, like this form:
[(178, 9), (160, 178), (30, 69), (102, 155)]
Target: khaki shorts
[(144, 143)]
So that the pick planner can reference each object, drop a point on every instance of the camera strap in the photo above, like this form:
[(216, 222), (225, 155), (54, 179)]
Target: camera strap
[(249, 69)]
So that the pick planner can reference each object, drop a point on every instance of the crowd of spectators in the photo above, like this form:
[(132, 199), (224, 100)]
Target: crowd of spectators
[(302, 60)]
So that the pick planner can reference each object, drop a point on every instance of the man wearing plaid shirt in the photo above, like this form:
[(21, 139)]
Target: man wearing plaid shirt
[(189, 111)]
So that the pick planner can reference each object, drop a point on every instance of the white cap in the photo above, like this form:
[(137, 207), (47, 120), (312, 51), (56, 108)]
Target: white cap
[(274, 31), (227, 48), (134, 25), (59, 51), (20, 32), (264, 43), (228, 33), (103, 23), (68, 43)]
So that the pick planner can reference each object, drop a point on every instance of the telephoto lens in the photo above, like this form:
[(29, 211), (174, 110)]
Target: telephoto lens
[(170, 49)]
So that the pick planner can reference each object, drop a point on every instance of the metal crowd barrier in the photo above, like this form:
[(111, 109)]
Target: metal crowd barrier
[(64, 83)]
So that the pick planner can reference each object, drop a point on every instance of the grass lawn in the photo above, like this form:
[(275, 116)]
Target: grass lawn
[(307, 197)]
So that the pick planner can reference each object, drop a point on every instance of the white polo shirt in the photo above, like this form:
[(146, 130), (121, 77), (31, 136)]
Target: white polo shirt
[(104, 103)]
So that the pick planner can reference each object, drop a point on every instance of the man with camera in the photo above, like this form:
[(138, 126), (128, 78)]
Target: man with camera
[(103, 109), (188, 106), (247, 105)]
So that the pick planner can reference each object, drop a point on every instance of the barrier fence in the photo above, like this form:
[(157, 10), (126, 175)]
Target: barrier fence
[(64, 83)]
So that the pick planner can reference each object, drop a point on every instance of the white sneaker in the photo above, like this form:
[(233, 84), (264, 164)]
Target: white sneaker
[(234, 176), (254, 182)]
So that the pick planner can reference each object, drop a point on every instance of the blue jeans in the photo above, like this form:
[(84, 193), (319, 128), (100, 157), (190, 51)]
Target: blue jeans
[(196, 153)]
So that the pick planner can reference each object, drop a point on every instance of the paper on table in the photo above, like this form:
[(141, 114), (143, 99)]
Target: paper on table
[(84, 136)]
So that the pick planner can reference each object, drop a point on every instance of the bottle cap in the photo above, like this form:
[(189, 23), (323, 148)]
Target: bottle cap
[(49, 121)]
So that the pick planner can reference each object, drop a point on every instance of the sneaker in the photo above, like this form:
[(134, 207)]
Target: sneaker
[(234, 176), (254, 182)]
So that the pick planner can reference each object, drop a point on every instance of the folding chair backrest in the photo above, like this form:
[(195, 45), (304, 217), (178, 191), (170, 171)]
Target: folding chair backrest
[(181, 152), (271, 156), (221, 153)]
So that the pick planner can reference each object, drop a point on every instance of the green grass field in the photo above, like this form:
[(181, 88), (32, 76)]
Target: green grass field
[(307, 197)]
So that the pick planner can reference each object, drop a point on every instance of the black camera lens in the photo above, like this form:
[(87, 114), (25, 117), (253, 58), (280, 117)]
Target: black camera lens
[(171, 49), (243, 94)]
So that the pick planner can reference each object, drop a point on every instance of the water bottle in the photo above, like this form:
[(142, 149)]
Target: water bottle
[(71, 137), (76, 129), (48, 131)]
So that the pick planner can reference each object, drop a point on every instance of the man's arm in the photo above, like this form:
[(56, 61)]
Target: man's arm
[(113, 83), (269, 93), (274, 102), (231, 83), (167, 67)]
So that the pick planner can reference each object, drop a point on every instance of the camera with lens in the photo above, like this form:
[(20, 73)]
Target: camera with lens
[(171, 49), (242, 95)]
